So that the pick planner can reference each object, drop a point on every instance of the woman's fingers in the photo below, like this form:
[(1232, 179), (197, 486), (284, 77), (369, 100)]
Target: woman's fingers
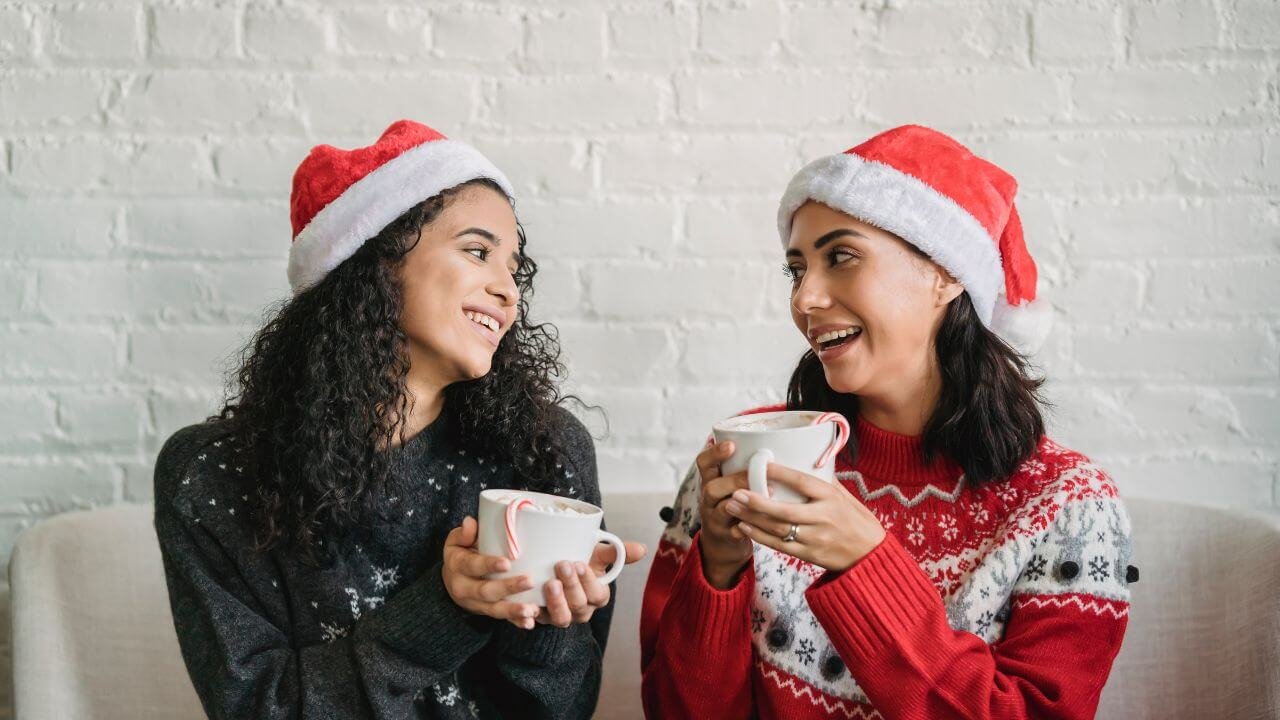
[(506, 587), (708, 461), (803, 483), (762, 521), (519, 614), (491, 591), (473, 564), (799, 513), (764, 538), (604, 556), (597, 592), (722, 487), (558, 612), (462, 536), (635, 551), (570, 584)]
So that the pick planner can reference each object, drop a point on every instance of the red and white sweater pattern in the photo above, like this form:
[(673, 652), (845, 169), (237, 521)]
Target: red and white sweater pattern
[(1004, 599)]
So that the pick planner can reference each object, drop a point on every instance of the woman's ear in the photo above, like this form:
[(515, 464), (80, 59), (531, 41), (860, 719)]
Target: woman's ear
[(945, 288)]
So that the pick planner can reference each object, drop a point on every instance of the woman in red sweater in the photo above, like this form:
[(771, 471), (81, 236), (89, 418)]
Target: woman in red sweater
[(963, 564)]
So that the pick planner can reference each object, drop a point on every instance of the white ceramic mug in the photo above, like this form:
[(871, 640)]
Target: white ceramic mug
[(794, 438), (542, 538)]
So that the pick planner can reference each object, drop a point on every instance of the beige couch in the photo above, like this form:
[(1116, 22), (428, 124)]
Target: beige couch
[(92, 637)]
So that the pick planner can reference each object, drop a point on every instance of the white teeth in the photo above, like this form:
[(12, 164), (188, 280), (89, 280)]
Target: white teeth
[(482, 319), (836, 334)]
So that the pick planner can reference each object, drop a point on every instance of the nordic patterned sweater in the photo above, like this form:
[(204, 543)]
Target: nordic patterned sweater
[(998, 600), (372, 632)]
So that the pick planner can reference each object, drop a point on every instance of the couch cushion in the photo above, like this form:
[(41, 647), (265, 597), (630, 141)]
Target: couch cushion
[(1204, 625), (93, 637)]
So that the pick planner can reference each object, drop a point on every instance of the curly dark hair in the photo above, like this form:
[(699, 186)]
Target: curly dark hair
[(320, 393), (988, 417)]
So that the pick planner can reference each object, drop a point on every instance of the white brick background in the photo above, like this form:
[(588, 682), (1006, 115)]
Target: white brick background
[(146, 150)]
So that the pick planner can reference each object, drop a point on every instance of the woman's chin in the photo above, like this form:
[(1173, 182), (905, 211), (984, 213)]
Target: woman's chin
[(470, 367), (843, 382), (478, 369)]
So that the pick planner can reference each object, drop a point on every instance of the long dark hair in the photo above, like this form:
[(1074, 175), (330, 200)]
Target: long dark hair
[(321, 393), (988, 416)]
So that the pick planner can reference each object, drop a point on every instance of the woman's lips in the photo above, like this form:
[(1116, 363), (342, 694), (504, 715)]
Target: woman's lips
[(832, 353), (492, 337)]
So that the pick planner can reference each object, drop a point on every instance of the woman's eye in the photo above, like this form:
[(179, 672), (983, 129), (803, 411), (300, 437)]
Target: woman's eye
[(794, 272), (481, 253), (838, 256)]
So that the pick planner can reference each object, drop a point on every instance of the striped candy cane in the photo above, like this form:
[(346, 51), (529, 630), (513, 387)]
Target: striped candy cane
[(842, 436), (513, 544)]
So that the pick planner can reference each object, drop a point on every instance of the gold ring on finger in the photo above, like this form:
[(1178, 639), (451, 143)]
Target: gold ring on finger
[(791, 534)]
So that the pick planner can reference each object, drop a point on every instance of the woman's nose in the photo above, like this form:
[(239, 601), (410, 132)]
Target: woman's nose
[(503, 286), (810, 294)]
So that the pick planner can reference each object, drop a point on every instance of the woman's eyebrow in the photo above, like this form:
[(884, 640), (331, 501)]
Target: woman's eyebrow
[(833, 235), (482, 233)]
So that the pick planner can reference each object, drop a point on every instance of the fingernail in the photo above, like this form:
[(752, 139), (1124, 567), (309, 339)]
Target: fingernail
[(745, 527), (582, 568), (553, 588), (732, 507), (564, 568), (741, 496)]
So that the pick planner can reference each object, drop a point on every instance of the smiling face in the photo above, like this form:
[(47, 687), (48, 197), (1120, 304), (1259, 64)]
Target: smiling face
[(868, 303), (460, 297)]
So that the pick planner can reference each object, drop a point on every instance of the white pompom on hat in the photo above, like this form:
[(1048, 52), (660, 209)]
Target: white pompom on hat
[(957, 208)]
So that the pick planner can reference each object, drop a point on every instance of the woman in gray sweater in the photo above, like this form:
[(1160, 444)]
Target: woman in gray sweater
[(318, 534)]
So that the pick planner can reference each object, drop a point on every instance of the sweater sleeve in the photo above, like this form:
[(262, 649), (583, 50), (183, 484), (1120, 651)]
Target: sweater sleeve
[(240, 655), (685, 621), (555, 672), (1066, 619)]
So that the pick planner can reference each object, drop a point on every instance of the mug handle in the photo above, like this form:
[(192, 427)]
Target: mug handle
[(756, 468), (619, 548)]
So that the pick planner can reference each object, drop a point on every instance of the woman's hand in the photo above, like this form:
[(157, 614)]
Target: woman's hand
[(576, 593), (833, 530), (465, 572), (725, 550)]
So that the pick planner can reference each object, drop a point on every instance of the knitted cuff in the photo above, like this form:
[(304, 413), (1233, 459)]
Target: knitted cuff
[(717, 618), (422, 622), (543, 645), (885, 599)]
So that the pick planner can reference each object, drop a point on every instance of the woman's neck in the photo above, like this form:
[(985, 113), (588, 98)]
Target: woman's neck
[(904, 408), (424, 399)]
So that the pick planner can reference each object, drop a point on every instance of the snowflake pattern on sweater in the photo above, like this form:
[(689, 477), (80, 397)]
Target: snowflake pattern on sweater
[(1054, 535), (347, 634)]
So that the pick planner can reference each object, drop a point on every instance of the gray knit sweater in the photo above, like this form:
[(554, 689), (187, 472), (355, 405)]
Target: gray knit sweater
[(371, 632)]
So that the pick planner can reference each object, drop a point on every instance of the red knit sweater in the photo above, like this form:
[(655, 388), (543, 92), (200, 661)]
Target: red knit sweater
[(1001, 600)]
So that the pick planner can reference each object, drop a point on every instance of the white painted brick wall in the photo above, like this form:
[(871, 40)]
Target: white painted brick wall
[(146, 149)]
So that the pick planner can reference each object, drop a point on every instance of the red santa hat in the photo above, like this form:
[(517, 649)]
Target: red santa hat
[(341, 198), (957, 208)]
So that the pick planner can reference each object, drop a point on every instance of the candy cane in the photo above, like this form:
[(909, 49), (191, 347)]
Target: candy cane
[(513, 545), (842, 436)]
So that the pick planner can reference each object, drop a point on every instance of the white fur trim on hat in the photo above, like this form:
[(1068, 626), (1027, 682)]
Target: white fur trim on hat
[(1025, 327), (375, 200), (895, 201)]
